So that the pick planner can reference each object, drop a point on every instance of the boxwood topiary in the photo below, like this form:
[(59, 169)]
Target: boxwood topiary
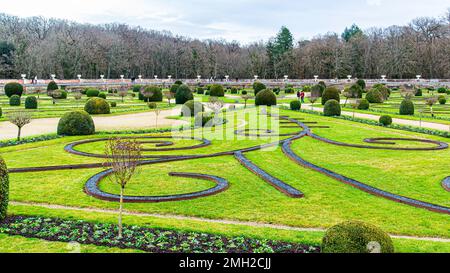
[(332, 108), (14, 100), (96, 106), (183, 94), (258, 86), (192, 108), (407, 107), (4, 189), (363, 105), (442, 100), (385, 120), (361, 83), (102, 95), (52, 86), (419, 92), (442, 90), (374, 96), (31, 102), (330, 93), (13, 88), (76, 123), (356, 237), (234, 90), (113, 104), (244, 92), (295, 105), (137, 88), (356, 91), (90, 93), (178, 82), (265, 97), (216, 91)]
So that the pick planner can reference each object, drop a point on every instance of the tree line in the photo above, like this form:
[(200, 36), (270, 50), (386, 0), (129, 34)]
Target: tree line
[(38, 46)]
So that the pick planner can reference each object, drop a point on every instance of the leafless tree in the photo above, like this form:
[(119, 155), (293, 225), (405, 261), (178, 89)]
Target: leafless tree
[(246, 98), (169, 96), (431, 101), (123, 159), (77, 96), (20, 119), (122, 94)]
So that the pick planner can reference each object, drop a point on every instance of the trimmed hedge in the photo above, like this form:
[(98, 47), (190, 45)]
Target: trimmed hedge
[(192, 108), (96, 106), (330, 93), (90, 93), (76, 123), (31, 102), (356, 237), (258, 87), (363, 105), (407, 107), (295, 105), (385, 120), (216, 90), (156, 97), (4, 189), (52, 86), (14, 100), (266, 97), (13, 88), (183, 94), (374, 96), (332, 108)]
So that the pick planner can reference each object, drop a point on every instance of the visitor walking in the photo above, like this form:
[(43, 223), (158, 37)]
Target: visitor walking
[(298, 95), (302, 96)]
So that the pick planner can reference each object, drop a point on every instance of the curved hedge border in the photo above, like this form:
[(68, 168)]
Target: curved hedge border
[(275, 182), (91, 188)]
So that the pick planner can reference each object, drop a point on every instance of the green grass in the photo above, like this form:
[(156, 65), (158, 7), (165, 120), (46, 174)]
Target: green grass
[(414, 174)]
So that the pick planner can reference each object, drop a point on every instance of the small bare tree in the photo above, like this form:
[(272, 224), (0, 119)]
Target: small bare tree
[(157, 112), (77, 96), (430, 102), (20, 119), (122, 94), (123, 159), (147, 95), (215, 104), (246, 98), (169, 96), (55, 94)]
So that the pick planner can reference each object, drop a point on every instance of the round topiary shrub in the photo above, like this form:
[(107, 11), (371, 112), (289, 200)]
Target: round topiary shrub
[(216, 91), (330, 93), (202, 119), (76, 123), (178, 82), (14, 100), (183, 94), (407, 107), (113, 104), (152, 105), (102, 95), (332, 108), (244, 92), (200, 91), (356, 237), (265, 97), (442, 100), (31, 102), (442, 90), (13, 88), (234, 91), (385, 120), (258, 86), (192, 108), (295, 105), (90, 93), (52, 86), (156, 94), (374, 96), (363, 105), (97, 106), (361, 83), (4, 189)]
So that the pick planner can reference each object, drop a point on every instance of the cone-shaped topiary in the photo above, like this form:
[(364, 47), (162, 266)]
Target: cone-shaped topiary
[(183, 94), (14, 100), (265, 97), (374, 96), (191, 108), (4, 189), (295, 105), (363, 105), (407, 107), (258, 86), (31, 102), (76, 123), (356, 237), (174, 88), (13, 88), (52, 86), (330, 93), (97, 106), (216, 90), (332, 108), (361, 83)]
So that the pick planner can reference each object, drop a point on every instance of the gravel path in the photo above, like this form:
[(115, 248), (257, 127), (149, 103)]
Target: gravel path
[(218, 221), (103, 123)]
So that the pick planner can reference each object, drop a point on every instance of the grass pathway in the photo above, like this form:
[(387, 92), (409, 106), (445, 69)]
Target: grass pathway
[(205, 220)]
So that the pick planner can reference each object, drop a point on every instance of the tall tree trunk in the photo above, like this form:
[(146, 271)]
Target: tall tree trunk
[(18, 134), (120, 212)]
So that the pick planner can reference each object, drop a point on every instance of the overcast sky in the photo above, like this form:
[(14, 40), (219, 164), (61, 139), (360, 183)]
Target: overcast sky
[(241, 20)]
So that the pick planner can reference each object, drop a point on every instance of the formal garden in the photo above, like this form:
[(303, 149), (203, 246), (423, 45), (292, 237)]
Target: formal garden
[(252, 170)]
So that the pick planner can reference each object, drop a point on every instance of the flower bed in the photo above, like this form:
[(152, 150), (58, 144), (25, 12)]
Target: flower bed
[(147, 239)]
